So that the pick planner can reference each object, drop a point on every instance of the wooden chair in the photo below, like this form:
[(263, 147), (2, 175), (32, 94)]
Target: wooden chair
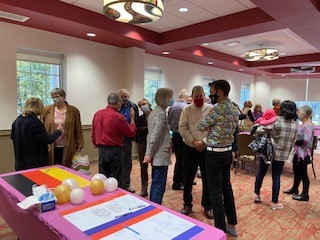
[(314, 146), (245, 154)]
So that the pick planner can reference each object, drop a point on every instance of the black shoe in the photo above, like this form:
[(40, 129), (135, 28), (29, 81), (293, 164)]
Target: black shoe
[(177, 186), (291, 191), (301, 197), (208, 213), (194, 183), (186, 210)]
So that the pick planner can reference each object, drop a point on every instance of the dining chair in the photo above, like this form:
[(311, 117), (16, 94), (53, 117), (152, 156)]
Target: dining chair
[(245, 154)]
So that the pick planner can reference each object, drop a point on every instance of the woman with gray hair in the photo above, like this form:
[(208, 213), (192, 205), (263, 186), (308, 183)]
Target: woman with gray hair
[(30, 139), (301, 159), (158, 151), (71, 139)]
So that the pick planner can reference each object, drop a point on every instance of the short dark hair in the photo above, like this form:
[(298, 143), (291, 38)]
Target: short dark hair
[(222, 85), (288, 109)]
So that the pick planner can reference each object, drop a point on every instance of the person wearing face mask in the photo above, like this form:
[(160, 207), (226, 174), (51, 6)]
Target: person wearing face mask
[(108, 130), (194, 150), (159, 148), (220, 123), (142, 132), (301, 159), (126, 106), (173, 120), (71, 139)]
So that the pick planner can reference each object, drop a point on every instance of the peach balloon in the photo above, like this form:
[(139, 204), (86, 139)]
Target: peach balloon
[(97, 186), (62, 193)]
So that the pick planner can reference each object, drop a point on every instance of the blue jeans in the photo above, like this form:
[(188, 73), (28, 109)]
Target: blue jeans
[(158, 184), (111, 162), (277, 167)]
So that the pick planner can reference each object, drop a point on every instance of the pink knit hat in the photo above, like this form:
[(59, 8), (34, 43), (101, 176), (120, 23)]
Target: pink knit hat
[(268, 117)]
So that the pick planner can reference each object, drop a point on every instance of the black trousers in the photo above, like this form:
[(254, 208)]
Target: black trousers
[(218, 173), (127, 162), (178, 151), (192, 159), (143, 166), (58, 155), (300, 170)]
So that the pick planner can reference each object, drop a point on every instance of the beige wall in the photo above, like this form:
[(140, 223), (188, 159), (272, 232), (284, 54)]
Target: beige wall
[(7, 153)]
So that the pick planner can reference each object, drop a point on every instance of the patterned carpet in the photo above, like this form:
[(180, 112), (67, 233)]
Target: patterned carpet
[(298, 220)]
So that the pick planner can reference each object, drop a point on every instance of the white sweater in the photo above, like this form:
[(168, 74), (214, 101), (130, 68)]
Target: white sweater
[(189, 118)]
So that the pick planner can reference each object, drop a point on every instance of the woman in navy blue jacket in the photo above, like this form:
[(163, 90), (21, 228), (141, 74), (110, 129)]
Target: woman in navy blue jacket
[(30, 139)]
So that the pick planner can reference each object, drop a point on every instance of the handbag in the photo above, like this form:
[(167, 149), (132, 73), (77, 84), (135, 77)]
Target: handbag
[(81, 163)]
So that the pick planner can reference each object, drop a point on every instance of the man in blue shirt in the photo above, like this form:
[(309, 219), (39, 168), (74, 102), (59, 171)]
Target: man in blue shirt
[(125, 111)]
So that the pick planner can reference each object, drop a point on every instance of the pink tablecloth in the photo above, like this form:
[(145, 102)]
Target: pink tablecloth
[(30, 224)]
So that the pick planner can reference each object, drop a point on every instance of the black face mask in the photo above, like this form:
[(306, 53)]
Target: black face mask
[(214, 98)]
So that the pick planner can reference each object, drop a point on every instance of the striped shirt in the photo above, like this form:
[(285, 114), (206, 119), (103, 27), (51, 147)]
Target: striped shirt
[(283, 134)]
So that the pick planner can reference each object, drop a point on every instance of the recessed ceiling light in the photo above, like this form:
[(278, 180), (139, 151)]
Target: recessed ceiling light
[(283, 75), (205, 44), (263, 74), (91, 34), (210, 62), (241, 69), (183, 9), (165, 52)]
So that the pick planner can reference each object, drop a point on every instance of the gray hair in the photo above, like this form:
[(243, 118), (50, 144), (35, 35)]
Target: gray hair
[(276, 101), (144, 100), (113, 99), (162, 96), (124, 90), (184, 93), (60, 91), (197, 88), (306, 110)]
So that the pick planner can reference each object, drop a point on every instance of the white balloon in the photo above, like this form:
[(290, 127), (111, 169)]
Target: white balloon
[(110, 184), (71, 183), (99, 176), (77, 196)]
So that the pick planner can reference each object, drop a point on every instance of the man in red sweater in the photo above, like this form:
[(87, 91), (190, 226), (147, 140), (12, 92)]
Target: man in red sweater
[(108, 129)]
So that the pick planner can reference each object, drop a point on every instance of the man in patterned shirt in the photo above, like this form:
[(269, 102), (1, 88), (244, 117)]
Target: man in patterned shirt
[(221, 123)]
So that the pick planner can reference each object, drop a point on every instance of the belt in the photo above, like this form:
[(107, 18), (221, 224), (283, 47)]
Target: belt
[(219, 149)]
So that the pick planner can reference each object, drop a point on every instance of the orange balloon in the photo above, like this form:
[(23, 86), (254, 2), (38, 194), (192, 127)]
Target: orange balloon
[(96, 186), (62, 193)]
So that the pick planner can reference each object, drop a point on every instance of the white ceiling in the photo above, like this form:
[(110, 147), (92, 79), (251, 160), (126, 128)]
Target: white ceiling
[(285, 40)]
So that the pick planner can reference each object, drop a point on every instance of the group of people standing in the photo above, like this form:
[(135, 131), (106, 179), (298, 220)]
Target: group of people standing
[(203, 136), (47, 135)]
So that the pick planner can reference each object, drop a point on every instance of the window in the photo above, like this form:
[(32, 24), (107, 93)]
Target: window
[(244, 93), (315, 110), (205, 85), (37, 74), (152, 82)]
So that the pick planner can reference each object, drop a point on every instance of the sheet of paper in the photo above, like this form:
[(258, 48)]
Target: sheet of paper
[(61, 175), (162, 226), (105, 212)]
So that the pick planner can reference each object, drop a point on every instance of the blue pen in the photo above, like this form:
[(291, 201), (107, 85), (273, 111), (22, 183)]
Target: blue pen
[(125, 214), (129, 228), (136, 207)]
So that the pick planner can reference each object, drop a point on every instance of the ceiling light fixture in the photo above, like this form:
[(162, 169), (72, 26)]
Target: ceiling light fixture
[(205, 44), (183, 9), (210, 62), (241, 69), (165, 52), (133, 11), (90, 34), (261, 54)]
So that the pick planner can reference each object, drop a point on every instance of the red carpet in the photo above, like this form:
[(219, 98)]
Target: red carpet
[(298, 220)]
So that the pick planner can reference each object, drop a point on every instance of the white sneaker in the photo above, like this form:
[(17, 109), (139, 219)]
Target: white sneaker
[(257, 198)]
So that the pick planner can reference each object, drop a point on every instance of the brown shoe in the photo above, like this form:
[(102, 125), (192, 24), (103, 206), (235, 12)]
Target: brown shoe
[(143, 193), (208, 213), (186, 210)]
